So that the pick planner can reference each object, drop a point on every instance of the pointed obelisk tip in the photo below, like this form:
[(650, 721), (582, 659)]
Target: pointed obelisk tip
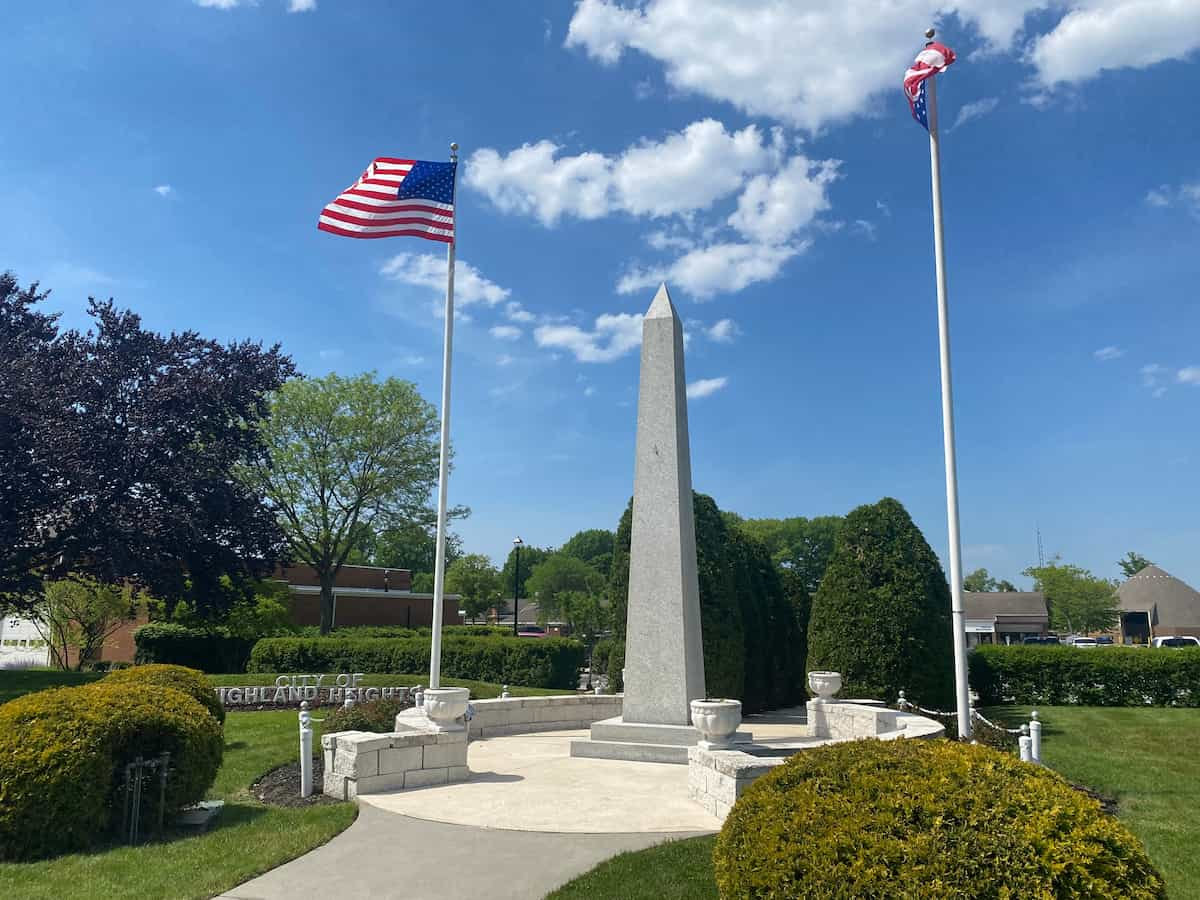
[(662, 307)]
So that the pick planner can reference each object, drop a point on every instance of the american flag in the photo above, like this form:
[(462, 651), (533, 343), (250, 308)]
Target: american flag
[(933, 59), (396, 198)]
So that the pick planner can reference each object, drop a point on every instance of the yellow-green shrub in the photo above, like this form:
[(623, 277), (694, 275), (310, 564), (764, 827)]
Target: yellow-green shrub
[(62, 755), (930, 819), (191, 681)]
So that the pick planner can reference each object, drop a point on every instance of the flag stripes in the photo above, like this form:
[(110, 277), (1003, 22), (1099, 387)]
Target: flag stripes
[(395, 198)]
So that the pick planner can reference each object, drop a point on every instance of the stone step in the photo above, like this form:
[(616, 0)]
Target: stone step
[(630, 751), (616, 729)]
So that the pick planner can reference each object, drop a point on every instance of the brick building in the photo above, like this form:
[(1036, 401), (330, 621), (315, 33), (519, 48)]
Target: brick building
[(364, 595)]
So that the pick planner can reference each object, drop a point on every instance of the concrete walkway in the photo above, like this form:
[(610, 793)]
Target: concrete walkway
[(384, 855), (530, 819)]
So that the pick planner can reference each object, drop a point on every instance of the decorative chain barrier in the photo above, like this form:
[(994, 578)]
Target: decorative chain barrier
[(1027, 738)]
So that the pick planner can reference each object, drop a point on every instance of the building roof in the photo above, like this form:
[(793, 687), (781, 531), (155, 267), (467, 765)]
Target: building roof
[(990, 604), (1173, 602)]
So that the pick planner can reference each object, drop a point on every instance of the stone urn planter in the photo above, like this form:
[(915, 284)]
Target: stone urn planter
[(444, 706), (825, 684), (716, 720)]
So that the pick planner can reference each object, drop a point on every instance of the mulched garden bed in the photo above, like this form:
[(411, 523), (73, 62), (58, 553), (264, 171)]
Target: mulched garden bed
[(281, 786)]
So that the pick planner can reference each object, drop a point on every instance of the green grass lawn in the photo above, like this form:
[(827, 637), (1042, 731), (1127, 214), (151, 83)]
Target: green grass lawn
[(15, 682), (248, 839), (1146, 759)]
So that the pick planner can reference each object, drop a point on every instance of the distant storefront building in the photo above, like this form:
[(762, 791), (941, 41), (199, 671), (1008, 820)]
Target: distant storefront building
[(1156, 604), (1004, 617), (365, 595)]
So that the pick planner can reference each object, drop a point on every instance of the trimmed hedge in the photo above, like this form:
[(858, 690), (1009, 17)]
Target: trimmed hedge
[(62, 754), (1104, 676), (207, 649), (924, 819), (191, 682), (881, 616), (399, 631), (529, 662)]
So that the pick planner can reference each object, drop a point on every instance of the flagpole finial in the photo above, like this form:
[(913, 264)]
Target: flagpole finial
[(453, 151), (929, 33)]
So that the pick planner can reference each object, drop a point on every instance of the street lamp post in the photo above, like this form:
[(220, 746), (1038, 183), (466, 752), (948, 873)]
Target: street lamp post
[(517, 542)]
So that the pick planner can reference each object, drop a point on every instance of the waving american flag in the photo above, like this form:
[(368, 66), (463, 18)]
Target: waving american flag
[(933, 59), (396, 198)]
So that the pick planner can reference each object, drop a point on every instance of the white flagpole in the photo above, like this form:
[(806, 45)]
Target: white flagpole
[(439, 571), (956, 591)]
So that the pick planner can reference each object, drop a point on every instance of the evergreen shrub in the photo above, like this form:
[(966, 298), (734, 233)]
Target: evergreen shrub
[(191, 682), (369, 715), (62, 755), (1109, 676), (529, 662), (881, 616), (212, 650), (914, 818)]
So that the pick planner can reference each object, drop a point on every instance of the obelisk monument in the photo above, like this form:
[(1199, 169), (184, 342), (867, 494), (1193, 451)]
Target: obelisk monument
[(664, 656)]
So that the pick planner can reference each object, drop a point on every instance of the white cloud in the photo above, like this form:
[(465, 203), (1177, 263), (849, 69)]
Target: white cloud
[(1115, 34), (428, 270), (782, 60), (295, 6), (865, 228), (411, 360), (218, 4), (517, 313), (684, 172), (505, 332), (976, 109), (644, 89), (331, 353), (715, 269), (163, 190), (883, 208), (1189, 375), (786, 61), (589, 391), (1104, 354), (613, 337), (505, 360), (773, 207), (1185, 195), (1151, 378), (705, 387), (723, 332)]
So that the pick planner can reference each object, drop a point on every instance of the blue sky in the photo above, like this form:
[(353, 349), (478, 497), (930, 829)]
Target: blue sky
[(175, 155)]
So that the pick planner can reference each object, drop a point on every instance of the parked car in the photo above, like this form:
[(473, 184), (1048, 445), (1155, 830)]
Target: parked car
[(1105, 640), (1085, 642), (1180, 641), (1043, 639)]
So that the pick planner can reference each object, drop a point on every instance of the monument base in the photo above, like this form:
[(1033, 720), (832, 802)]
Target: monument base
[(642, 741)]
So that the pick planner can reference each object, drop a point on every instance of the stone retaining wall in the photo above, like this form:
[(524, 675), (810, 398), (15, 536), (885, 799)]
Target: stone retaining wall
[(363, 762), (523, 715), (716, 778)]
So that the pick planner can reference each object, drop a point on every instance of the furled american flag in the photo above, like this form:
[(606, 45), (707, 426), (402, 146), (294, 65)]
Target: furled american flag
[(396, 198), (933, 59)]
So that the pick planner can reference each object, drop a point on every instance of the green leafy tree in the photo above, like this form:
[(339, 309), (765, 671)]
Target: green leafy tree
[(531, 557), (409, 545), (802, 546), (980, 580), (344, 454), (594, 546), (422, 582), (82, 613), (585, 613), (881, 616), (1132, 563), (476, 581), (1078, 601), (558, 574)]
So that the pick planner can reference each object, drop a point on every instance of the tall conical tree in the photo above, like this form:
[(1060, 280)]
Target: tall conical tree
[(881, 616)]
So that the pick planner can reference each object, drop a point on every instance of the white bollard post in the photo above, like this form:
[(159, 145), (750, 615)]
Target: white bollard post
[(504, 695), (306, 773), (1026, 744), (1035, 737)]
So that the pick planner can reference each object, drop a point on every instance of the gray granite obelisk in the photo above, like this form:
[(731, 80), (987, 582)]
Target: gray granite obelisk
[(664, 656)]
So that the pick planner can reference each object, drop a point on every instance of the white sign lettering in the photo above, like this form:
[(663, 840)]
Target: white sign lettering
[(290, 690)]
